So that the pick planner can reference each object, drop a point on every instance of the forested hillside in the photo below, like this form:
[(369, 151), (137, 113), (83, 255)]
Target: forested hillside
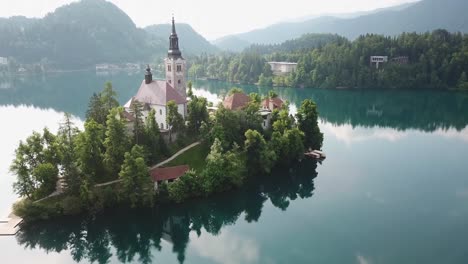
[(430, 60)]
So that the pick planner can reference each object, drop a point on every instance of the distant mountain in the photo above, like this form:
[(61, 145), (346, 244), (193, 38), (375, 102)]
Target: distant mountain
[(81, 33), (190, 41), (231, 43), (354, 14), (422, 16), (89, 32)]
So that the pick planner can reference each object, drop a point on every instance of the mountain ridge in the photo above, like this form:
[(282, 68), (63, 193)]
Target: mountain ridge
[(422, 16)]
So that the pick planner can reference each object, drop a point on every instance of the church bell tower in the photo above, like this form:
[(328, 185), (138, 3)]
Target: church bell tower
[(175, 64)]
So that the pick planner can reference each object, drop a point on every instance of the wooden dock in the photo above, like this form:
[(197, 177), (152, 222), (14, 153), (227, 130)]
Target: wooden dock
[(10, 226)]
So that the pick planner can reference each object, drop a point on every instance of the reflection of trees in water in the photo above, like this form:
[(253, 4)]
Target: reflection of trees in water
[(400, 109), (135, 233), (425, 110)]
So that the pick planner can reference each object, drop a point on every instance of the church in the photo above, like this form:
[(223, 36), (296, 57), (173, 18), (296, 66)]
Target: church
[(156, 94)]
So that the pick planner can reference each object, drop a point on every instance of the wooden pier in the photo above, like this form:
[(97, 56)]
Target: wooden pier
[(10, 226)]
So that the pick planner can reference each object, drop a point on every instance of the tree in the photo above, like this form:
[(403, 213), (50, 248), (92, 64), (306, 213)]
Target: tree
[(174, 119), (307, 119), (137, 185), (89, 151), (138, 126), (197, 114), (234, 90), (463, 82), (282, 121), (67, 134), (96, 109), (108, 98), (190, 92), (224, 170), (154, 141), (32, 165), (259, 157), (187, 186), (116, 141), (46, 175)]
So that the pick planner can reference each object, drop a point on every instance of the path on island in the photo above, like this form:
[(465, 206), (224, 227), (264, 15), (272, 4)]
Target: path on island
[(157, 165), (10, 226), (175, 155)]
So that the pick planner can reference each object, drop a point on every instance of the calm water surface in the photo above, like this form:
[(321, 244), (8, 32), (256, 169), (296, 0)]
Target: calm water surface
[(394, 188)]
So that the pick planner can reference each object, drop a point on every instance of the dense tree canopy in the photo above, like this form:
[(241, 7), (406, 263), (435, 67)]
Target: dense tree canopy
[(434, 60)]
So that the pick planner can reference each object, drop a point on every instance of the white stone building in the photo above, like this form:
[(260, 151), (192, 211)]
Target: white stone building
[(156, 94), (282, 68), (3, 61)]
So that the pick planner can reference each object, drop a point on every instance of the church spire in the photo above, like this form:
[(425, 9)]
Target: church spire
[(173, 26), (174, 51)]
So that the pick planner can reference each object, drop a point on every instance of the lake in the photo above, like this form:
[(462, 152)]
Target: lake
[(393, 189)]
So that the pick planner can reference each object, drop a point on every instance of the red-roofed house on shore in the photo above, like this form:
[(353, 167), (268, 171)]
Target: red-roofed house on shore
[(236, 101), (156, 94), (272, 103), (168, 174)]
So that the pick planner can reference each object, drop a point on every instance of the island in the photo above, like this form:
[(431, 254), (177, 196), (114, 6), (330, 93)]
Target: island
[(164, 145)]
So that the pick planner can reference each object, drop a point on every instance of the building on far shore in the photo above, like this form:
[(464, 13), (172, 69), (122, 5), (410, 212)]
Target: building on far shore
[(156, 94), (377, 60), (3, 61), (282, 68), (400, 60)]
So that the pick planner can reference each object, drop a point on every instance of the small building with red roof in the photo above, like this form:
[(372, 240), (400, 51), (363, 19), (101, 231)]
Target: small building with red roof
[(272, 103), (236, 101), (167, 174)]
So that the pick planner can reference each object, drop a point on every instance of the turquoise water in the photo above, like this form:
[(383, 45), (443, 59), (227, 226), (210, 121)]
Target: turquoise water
[(393, 189)]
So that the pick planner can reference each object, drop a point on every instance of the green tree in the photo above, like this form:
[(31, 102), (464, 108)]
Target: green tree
[(307, 119), (89, 151), (108, 98), (154, 141), (187, 186), (137, 186), (190, 92), (174, 119), (282, 121), (116, 141), (259, 157), (96, 109), (138, 126), (224, 170), (46, 175), (197, 114), (463, 82), (33, 177), (67, 134)]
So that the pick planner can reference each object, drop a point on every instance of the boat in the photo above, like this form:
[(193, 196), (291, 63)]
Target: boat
[(316, 154)]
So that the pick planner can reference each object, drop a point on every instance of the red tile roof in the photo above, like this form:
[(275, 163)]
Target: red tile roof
[(236, 101), (168, 173), (277, 103), (159, 93)]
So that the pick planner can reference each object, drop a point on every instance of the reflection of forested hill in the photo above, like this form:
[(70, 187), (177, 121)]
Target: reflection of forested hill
[(133, 234), (404, 109), (65, 92), (423, 110)]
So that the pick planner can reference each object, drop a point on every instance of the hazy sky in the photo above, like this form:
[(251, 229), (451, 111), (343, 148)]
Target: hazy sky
[(211, 18)]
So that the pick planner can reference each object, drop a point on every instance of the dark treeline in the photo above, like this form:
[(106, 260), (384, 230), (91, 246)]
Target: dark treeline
[(435, 60), (136, 234)]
